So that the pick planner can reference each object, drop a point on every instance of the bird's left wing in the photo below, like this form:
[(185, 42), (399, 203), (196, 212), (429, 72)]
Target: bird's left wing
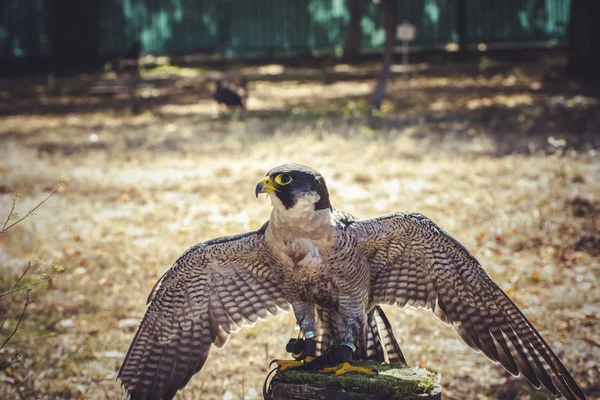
[(415, 263), (212, 289)]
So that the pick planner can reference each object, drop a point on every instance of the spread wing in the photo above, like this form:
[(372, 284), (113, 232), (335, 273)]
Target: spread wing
[(415, 263), (213, 289)]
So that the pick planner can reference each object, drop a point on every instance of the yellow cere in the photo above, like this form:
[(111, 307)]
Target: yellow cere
[(268, 186)]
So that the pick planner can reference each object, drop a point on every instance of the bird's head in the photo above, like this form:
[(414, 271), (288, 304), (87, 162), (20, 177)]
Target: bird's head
[(295, 187)]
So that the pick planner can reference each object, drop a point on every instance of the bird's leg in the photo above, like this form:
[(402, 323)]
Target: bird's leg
[(303, 350), (337, 360)]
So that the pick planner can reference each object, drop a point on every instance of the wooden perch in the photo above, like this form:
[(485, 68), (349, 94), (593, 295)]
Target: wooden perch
[(394, 382)]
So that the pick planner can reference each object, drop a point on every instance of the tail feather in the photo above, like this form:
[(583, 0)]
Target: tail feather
[(375, 350), (381, 342)]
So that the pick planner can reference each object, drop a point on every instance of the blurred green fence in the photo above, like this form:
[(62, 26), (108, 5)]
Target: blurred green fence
[(258, 28)]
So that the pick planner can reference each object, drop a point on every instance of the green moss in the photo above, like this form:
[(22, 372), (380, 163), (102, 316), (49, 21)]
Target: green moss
[(394, 380)]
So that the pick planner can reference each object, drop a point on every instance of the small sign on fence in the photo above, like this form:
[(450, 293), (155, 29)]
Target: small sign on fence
[(405, 32)]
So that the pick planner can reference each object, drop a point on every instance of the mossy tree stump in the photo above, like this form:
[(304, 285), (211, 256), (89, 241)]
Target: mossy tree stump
[(394, 382)]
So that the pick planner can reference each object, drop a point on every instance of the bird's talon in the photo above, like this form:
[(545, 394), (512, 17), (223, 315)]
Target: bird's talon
[(347, 368), (284, 365), (328, 370)]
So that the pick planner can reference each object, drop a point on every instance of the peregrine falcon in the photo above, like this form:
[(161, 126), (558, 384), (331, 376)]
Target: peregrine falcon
[(334, 270)]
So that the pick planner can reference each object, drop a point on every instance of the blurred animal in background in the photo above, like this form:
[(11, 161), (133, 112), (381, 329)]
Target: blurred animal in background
[(231, 95), (129, 63)]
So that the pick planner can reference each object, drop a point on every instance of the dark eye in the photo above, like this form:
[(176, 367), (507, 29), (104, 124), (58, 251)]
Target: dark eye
[(283, 179)]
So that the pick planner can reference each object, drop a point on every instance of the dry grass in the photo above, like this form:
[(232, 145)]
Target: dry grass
[(144, 188)]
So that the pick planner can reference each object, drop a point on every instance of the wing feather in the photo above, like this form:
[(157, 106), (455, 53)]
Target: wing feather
[(259, 296), (415, 263), (212, 289)]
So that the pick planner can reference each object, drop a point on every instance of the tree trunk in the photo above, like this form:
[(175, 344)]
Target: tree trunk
[(287, 391), (584, 39), (395, 381), (388, 7), (352, 46)]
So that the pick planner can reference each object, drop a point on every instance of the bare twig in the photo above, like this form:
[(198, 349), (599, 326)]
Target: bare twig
[(15, 381), (13, 360), (21, 395), (28, 286), (27, 301), (14, 287), (8, 218), (12, 209), (3, 321)]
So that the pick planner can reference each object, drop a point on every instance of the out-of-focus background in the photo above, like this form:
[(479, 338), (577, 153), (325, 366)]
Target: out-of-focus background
[(161, 116)]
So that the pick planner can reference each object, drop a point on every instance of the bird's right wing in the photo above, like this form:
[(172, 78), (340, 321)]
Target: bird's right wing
[(211, 290), (415, 263)]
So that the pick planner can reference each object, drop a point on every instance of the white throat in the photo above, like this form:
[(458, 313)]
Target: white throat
[(302, 215)]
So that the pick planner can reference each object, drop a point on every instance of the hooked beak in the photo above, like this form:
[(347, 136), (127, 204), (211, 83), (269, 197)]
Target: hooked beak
[(265, 186)]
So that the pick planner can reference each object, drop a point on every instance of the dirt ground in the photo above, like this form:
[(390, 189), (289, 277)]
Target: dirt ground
[(506, 162)]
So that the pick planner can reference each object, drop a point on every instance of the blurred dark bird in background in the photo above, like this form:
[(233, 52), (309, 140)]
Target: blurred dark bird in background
[(231, 96)]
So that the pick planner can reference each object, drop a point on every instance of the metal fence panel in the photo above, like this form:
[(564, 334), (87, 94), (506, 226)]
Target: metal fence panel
[(24, 29), (517, 20), (247, 28)]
